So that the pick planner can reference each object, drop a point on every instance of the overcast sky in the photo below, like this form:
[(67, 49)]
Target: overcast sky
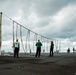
[(50, 18)]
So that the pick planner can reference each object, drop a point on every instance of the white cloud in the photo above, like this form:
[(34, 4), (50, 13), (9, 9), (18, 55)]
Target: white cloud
[(33, 17), (51, 18), (18, 16), (63, 17)]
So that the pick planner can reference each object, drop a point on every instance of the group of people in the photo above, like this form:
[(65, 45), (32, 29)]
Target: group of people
[(16, 47), (68, 50)]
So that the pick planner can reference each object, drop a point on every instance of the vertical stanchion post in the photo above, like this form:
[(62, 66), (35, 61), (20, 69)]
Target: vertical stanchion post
[(0, 31)]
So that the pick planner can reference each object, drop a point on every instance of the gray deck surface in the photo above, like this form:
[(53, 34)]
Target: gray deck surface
[(60, 64)]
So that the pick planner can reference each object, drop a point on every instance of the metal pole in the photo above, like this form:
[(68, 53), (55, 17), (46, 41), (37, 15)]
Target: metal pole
[(0, 31)]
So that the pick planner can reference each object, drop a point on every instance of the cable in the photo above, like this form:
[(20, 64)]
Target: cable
[(28, 34), (25, 27)]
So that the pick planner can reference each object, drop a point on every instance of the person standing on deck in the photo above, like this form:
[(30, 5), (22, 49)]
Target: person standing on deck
[(51, 48), (38, 51), (16, 48)]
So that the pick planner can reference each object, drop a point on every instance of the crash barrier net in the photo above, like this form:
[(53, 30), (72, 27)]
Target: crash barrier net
[(12, 30)]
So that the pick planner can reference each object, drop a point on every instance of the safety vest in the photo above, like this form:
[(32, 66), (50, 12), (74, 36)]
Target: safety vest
[(16, 44)]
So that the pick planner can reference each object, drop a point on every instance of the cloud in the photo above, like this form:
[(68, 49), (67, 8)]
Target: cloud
[(60, 25), (50, 7), (50, 18)]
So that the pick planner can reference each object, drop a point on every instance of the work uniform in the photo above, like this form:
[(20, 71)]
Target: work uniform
[(38, 51), (16, 49)]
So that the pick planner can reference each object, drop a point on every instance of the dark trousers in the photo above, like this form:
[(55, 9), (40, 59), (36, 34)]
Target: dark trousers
[(38, 52), (16, 52), (51, 53)]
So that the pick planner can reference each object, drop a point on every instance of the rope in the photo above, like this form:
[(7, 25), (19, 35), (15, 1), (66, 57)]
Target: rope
[(13, 33), (21, 38), (60, 46), (47, 44), (26, 41), (36, 37), (28, 34), (56, 45), (42, 42), (44, 45), (29, 40), (34, 42), (26, 44), (16, 30)]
